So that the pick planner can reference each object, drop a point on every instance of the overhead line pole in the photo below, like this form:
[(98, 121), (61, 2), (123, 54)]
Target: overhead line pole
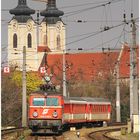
[(135, 74), (133, 79), (64, 74), (117, 69), (118, 108), (24, 101)]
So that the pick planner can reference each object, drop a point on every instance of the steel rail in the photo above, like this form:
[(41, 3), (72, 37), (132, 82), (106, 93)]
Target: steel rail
[(104, 133)]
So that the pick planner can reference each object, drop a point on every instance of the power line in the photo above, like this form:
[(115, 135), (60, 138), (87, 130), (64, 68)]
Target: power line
[(120, 36), (105, 29), (71, 6), (74, 36), (64, 7), (92, 34), (90, 21), (83, 10), (79, 5), (89, 8), (97, 46)]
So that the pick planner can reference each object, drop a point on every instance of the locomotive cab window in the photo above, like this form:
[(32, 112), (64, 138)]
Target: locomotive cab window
[(38, 101), (52, 102)]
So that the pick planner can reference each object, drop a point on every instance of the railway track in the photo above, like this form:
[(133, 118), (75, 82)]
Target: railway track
[(17, 133), (45, 138), (11, 133), (98, 134), (11, 130), (103, 134)]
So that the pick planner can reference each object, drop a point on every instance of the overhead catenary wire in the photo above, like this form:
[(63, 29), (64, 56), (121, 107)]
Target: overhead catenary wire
[(94, 34), (76, 50), (74, 36), (72, 6), (89, 8), (84, 4), (105, 29), (84, 10), (120, 36), (89, 21), (110, 15)]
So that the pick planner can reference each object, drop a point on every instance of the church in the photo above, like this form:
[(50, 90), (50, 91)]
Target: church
[(45, 44), (23, 30)]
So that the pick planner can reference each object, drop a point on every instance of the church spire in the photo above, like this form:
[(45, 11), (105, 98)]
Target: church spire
[(51, 13), (22, 12)]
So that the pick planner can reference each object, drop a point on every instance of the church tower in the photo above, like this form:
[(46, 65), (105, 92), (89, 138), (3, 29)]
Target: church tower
[(22, 32), (52, 29)]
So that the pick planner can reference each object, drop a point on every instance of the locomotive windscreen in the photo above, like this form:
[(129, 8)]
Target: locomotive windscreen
[(52, 102), (45, 101), (38, 101)]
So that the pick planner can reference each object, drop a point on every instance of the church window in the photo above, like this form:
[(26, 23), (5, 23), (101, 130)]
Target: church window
[(29, 41), (58, 42), (45, 40), (15, 41)]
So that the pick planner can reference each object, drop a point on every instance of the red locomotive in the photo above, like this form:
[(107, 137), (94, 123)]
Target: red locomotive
[(51, 113)]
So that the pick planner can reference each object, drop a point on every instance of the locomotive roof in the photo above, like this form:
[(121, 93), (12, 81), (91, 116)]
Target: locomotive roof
[(85, 100), (78, 100), (40, 92)]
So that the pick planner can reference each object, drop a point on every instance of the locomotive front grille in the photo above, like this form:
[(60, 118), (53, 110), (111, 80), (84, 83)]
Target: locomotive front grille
[(44, 123)]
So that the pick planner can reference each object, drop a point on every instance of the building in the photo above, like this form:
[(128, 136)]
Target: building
[(45, 44), (89, 66), (37, 38)]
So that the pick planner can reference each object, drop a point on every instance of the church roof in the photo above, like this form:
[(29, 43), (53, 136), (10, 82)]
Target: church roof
[(51, 13), (22, 12), (43, 49), (88, 66)]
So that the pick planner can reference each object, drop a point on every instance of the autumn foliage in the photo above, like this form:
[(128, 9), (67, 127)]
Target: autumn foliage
[(11, 93)]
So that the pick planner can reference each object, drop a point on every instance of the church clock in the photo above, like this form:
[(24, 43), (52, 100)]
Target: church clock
[(29, 25), (58, 27), (15, 25)]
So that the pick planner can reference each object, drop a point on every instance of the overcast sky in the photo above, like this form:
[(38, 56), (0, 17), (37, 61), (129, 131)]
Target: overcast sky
[(86, 34)]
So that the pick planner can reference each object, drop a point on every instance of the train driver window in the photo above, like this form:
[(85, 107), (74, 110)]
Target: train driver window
[(52, 101), (38, 101)]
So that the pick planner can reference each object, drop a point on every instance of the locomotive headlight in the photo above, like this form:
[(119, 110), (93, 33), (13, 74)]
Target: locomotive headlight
[(35, 114), (55, 114)]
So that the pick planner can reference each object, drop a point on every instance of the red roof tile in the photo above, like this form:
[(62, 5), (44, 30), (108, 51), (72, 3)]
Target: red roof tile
[(43, 49), (88, 66)]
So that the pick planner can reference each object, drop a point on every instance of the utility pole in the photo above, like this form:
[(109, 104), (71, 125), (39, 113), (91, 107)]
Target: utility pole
[(24, 102), (45, 61), (133, 77), (37, 28), (118, 112), (64, 74)]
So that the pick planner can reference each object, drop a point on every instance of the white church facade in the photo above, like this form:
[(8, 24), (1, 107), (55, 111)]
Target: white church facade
[(38, 38)]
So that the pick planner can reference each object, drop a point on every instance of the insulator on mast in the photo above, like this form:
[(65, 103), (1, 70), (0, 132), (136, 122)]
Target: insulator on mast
[(37, 16), (131, 15), (124, 16)]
